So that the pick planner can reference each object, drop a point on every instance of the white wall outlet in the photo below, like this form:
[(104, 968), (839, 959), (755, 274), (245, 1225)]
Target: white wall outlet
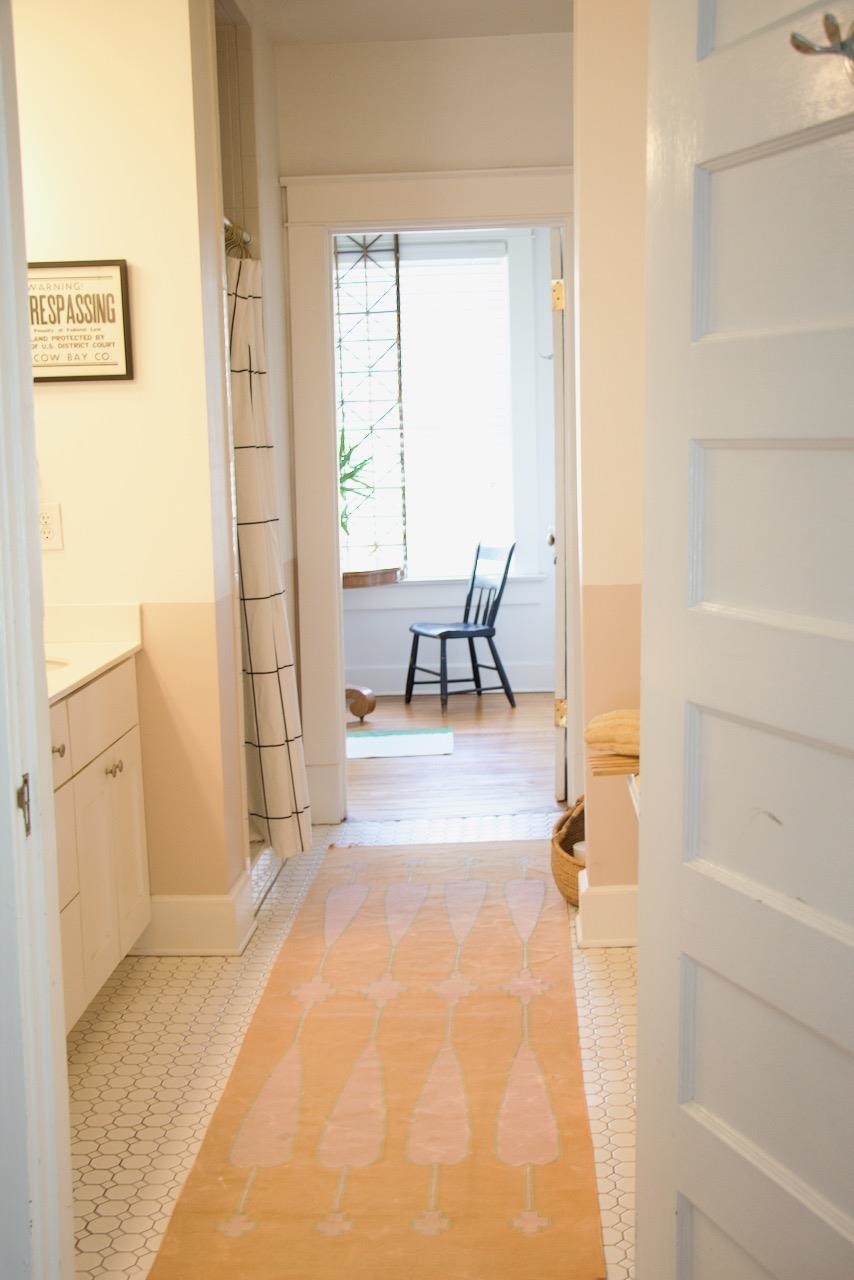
[(50, 526)]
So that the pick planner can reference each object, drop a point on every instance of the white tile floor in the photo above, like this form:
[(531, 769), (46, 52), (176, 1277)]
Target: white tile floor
[(150, 1058), (606, 987)]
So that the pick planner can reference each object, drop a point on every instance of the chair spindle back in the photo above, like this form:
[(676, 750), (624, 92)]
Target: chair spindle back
[(488, 579)]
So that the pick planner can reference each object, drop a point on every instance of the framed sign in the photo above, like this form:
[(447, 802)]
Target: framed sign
[(79, 321)]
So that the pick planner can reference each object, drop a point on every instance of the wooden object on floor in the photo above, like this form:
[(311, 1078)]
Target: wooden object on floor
[(503, 762), (360, 701), (568, 832)]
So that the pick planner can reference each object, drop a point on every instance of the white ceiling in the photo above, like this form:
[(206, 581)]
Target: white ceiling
[(344, 21)]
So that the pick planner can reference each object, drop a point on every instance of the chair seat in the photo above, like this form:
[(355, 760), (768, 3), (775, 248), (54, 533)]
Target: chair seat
[(452, 630)]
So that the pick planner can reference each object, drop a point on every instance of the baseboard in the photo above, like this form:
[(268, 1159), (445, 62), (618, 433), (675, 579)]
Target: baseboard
[(184, 924), (524, 677), (607, 914)]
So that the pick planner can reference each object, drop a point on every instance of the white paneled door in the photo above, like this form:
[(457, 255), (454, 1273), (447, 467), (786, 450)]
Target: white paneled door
[(746, 1073), (35, 1166), (559, 539)]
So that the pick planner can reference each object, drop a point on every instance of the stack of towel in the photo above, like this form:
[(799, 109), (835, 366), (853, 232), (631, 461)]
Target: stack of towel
[(614, 742)]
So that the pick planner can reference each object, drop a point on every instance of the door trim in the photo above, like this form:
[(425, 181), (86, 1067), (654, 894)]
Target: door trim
[(315, 208)]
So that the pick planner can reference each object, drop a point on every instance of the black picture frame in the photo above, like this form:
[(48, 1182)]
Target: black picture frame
[(80, 320)]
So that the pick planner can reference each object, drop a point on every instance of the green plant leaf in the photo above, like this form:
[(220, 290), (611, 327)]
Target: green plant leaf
[(351, 483)]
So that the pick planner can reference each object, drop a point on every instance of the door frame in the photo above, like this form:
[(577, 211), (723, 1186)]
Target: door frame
[(315, 209), (35, 1182)]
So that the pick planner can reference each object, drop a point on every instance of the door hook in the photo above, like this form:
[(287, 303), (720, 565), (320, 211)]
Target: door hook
[(834, 34)]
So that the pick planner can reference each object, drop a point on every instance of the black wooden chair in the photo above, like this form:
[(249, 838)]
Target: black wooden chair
[(489, 576)]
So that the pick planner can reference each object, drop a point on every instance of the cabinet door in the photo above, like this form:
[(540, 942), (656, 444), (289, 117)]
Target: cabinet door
[(66, 844), (129, 848), (93, 802), (73, 979), (60, 750), (101, 712)]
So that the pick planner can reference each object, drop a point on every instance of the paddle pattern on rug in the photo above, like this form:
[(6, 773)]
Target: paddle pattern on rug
[(408, 1101)]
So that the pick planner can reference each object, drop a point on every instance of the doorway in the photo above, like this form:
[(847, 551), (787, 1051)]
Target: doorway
[(449, 412), (317, 210)]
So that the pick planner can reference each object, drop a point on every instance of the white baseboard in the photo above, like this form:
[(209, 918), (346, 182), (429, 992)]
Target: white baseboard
[(524, 677), (607, 914), (184, 924)]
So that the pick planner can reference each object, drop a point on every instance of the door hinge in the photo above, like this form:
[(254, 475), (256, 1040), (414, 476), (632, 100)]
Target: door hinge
[(558, 295), (22, 796)]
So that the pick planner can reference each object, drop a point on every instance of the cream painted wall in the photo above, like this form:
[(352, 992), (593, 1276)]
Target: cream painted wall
[(121, 159), (609, 82), (421, 105), (100, 154), (610, 177)]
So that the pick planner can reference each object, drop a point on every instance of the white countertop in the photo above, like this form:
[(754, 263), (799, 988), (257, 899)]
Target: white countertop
[(82, 661)]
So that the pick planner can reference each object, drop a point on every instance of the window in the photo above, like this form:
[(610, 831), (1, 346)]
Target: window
[(435, 431)]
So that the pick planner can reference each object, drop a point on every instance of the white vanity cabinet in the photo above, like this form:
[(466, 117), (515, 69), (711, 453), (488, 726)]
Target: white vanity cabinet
[(100, 820)]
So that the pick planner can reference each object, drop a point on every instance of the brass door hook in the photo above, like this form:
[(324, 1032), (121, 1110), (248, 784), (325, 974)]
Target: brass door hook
[(834, 34)]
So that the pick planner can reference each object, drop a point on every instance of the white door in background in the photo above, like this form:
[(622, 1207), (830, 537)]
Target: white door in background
[(569, 735), (557, 535), (746, 1073)]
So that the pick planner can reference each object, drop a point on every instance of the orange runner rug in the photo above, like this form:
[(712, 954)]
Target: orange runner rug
[(408, 1101)]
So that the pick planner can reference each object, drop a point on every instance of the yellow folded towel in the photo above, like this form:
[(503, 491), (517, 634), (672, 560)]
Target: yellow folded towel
[(615, 733)]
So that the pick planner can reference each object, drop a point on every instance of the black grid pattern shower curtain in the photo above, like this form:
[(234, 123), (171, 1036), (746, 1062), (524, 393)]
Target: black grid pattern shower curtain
[(275, 765)]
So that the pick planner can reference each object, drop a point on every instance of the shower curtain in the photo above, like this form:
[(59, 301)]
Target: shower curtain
[(275, 766)]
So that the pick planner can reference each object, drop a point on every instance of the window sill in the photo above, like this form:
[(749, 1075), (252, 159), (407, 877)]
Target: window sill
[(440, 594)]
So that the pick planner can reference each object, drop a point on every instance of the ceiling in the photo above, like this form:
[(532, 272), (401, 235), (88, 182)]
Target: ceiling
[(346, 21)]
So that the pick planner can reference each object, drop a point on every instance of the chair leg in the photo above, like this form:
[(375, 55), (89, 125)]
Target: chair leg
[(475, 669), (502, 674), (443, 673), (410, 675)]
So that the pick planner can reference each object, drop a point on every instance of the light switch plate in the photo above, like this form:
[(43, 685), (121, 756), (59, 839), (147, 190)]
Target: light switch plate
[(50, 526)]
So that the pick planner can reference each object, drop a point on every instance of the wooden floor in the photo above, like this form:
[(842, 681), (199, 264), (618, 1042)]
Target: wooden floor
[(502, 762)]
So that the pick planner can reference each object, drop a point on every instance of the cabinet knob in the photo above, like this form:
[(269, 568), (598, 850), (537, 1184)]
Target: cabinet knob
[(58, 751), (117, 768)]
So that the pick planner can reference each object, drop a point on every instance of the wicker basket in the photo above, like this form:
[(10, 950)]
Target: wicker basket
[(568, 831)]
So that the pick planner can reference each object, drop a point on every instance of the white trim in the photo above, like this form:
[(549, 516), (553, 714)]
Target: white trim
[(205, 924), (314, 209), (326, 787), (454, 199), (607, 914), (419, 175)]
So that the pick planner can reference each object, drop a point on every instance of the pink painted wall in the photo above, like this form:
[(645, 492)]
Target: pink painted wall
[(609, 80), (611, 638)]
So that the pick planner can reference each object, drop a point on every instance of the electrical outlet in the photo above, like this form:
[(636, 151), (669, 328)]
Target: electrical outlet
[(50, 526)]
